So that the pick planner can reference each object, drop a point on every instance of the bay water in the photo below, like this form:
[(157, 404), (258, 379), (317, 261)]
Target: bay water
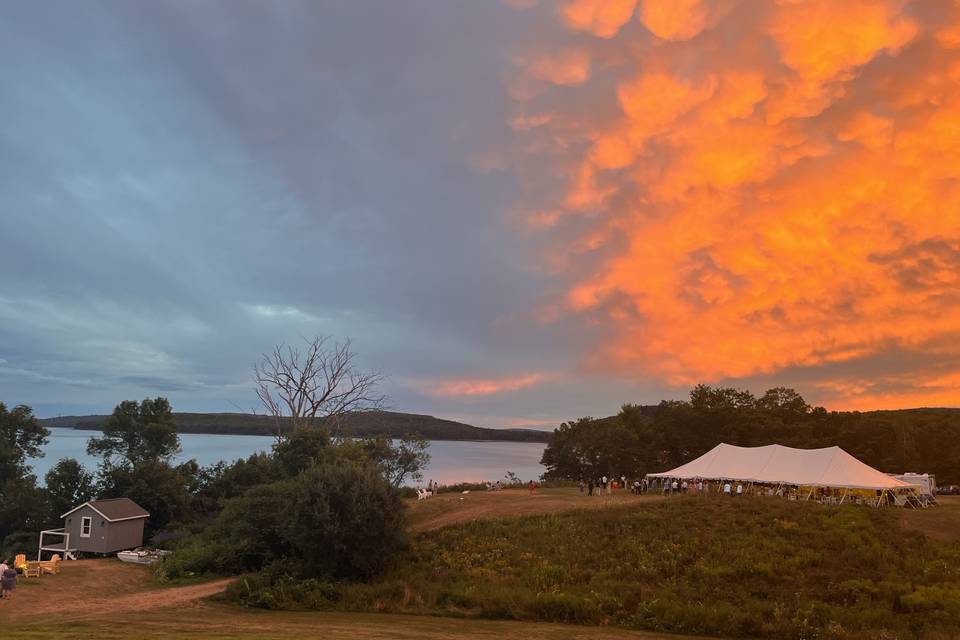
[(451, 462)]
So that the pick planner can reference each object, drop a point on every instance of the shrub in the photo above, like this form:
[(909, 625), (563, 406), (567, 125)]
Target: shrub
[(331, 521)]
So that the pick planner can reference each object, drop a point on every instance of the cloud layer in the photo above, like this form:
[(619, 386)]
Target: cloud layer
[(520, 212), (749, 191)]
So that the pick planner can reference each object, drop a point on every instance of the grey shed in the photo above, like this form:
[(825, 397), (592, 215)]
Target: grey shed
[(99, 526)]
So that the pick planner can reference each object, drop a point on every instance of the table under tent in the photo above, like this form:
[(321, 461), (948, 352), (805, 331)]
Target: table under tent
[(829, 475)]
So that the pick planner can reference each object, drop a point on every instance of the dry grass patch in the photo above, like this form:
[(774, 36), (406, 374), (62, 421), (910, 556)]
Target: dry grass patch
[(453, 508), (940, 523)]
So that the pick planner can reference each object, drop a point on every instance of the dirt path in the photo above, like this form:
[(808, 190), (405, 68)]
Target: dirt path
[(90, 605), (95, 587)]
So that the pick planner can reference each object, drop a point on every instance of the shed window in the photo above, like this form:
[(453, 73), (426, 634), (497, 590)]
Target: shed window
[(85, 525)]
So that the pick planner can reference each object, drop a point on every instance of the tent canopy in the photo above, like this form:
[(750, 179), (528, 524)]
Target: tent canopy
[(774, 463)]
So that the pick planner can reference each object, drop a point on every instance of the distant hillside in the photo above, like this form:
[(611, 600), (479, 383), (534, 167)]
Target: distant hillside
[(388, 423)]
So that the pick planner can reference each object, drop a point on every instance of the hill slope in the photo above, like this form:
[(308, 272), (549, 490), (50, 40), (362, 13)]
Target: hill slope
[(750, 567), (388, 423)]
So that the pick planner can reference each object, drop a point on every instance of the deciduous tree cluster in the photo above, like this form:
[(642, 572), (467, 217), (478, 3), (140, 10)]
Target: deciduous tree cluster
[(645, 439)]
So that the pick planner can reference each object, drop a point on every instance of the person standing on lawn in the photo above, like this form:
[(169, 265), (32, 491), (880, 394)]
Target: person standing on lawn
[(8, 580)]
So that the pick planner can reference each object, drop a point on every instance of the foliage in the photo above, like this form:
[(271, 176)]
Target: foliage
[(220, 482), (23, 513), (335, 519), (161, 489), (68, 485), (138, 432), (645, 439), (22, 505), (749, 567), (398, 462), (302, 448), (591, 448), (21, 437)]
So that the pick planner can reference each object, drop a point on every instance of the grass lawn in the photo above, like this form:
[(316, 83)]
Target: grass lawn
[(203, 621)]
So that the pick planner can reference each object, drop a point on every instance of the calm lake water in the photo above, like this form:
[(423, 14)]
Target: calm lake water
[(451, 462)]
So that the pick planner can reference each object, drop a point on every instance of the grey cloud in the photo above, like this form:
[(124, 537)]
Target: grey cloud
[(184, 184)]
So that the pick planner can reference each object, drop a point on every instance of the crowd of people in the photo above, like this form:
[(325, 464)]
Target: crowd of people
[(735, 488), (606, 486), (681, 485), (671, 486)]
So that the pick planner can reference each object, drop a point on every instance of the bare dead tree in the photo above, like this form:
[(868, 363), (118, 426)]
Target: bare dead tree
[(320, 382)]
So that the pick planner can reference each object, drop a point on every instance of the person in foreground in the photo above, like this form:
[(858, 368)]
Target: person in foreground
[(8, 580)]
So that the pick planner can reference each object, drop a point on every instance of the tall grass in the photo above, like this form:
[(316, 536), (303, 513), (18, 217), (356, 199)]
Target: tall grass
[(736, 567)]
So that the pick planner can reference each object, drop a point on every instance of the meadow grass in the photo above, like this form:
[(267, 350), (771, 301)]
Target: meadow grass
[(746, 567)]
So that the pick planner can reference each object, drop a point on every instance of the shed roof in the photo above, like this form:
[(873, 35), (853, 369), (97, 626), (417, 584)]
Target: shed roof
[(829, 467), (114, 509)]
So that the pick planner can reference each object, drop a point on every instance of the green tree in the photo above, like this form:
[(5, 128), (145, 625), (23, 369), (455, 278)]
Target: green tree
[(22, 505), (21, 437), (407, 459), (68, 485), (220, 482), (302, 448), (345, 521), (589, 448), (339, 519), (677, 431), (784, 401), (23, 513), (161, 489), (138, 432)]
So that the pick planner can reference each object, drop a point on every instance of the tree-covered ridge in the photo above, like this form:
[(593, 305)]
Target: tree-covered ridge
[(645, 439), (392, 424)]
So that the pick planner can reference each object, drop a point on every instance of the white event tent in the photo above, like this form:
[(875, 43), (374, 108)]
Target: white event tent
[(775, 464)]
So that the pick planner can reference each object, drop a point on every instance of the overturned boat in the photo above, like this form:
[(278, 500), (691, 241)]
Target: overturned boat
[(142, 555)]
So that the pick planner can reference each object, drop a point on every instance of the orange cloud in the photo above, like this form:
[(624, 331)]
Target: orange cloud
[(467, 387), (569, 67), (823, 39), (600, 17), (761, 187), (674, 19)]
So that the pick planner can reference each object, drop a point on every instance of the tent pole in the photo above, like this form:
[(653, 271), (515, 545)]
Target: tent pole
[(844, 496)]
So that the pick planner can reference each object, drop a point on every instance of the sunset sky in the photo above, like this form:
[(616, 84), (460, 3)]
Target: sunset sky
[(522, 212)]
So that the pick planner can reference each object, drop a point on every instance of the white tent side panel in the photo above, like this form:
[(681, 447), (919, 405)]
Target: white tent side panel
[(829, 467)]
